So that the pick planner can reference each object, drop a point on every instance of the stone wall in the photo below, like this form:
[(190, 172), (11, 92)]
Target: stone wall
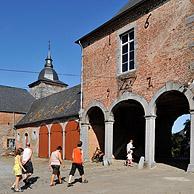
[(33, 138), (7, 122), (43, 90)]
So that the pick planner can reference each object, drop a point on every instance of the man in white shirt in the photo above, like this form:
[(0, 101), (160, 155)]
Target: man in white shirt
[(130, 146), (27, 163)]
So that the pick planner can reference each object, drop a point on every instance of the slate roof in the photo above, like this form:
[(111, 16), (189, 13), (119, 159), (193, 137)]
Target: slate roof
[(64, 104), (129, 5), (47, 81), (16, 100)]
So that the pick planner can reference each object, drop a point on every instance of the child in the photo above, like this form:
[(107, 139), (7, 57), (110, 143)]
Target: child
[(17, 170), (129, 158), (77, 164)]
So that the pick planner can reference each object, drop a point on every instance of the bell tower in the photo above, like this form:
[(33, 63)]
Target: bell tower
[(48, 81)]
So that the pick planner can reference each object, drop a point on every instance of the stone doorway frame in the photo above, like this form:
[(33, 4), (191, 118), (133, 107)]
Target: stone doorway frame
[(172, 86)]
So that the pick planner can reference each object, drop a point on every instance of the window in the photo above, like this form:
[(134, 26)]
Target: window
[(127, 51), (11, 143)]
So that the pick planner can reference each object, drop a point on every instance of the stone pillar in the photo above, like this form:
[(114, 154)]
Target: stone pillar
[(108, 142), (84, 139), (49, 140), (150, 141), (191, 164)]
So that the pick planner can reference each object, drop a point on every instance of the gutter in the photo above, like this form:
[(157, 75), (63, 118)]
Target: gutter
[(109, 21), (81, 96), (48, 121)]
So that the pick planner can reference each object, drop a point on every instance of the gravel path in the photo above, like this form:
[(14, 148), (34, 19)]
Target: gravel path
[(115, 179)]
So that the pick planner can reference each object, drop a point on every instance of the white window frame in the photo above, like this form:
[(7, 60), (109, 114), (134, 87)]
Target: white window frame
[(128, 51)]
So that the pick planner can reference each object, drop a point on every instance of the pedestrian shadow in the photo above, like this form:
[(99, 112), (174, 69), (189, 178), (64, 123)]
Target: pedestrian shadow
[(63, 180), (31, 181), (78, 180)]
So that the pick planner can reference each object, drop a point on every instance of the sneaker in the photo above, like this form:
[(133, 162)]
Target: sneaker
[(18, 190), (85, 181), (69, 184), (13, 188)]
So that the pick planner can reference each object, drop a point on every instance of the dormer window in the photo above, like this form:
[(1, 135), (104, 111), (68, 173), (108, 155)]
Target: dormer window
[(127, 51)]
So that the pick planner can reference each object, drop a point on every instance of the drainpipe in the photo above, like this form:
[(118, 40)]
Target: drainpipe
[(83, 126), (13, 128), (81, 101)]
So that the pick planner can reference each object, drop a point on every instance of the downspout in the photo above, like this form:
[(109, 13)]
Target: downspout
[(81, 100), (83, 126)]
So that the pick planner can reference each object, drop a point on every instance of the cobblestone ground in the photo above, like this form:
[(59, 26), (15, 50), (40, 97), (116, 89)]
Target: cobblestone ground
[(114, 179)]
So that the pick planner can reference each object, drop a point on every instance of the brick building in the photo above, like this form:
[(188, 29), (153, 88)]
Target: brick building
[(47, 118), (137, 79), (50, 122), (53, 118), (14, 104)]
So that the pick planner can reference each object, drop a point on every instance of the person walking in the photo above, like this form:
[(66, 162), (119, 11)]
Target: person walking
[(27, 163), (130, 146), (78, 163), (18, 167), (54, 163)]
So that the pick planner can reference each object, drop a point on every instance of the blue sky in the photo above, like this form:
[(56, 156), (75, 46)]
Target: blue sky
[(26, 26), (179, 123)]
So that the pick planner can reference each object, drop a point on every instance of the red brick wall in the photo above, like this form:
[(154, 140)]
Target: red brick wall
[(6, 128), (162, 53)]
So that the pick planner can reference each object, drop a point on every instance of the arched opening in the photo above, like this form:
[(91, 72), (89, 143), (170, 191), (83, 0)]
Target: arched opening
[(56, 136), (43, 142), (129, 124), (169, 148), (26, 139), (96, 131), (72, 136)]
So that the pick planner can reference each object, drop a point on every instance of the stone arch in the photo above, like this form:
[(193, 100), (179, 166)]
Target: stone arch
[(129, 112), (170, 86), (94, 117), (177, 99), (26, 138), (131, 96), (95, 103)]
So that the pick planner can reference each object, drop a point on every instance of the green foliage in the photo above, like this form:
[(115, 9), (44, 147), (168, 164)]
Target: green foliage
[(180, 142)]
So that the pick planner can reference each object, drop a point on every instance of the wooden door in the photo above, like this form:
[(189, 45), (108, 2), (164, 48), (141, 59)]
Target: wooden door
[(43, 142), (72, 136), (56, 136)]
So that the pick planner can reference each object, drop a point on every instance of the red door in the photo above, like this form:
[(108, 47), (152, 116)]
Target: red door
[(72, 136), (56, 136), (43, 142)]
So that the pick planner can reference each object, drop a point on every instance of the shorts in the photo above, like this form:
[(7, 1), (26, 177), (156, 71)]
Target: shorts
[(28, 167), (56, 169), (76, 166)]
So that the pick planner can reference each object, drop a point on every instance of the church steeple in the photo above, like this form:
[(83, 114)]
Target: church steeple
[(49, 60), (48, 81)]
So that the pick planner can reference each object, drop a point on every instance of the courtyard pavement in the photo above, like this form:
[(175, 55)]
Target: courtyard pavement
[(114, 179)]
